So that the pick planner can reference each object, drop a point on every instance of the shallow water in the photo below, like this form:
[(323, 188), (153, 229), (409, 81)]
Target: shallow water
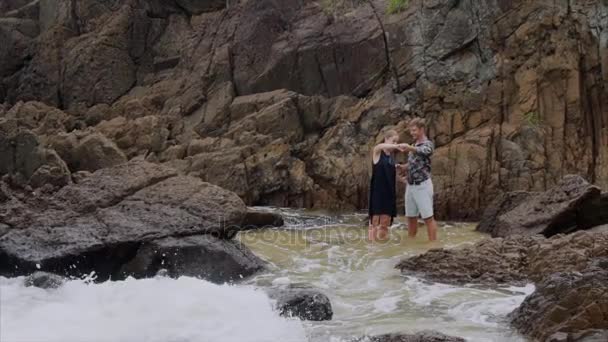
[(369, 296), (328, 252)]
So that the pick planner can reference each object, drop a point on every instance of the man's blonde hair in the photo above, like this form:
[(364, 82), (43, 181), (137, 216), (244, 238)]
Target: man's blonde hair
[(418, 122)]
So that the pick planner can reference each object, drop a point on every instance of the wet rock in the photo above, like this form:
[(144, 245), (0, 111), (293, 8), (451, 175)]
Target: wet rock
[(306, 304), (44, 280), (262, 219), (558, 210), (423, 336), (569, 301), (98, 224), (515, 259), (202, 256)]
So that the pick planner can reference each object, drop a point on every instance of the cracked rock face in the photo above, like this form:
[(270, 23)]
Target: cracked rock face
[(281, 101), (119, 213)]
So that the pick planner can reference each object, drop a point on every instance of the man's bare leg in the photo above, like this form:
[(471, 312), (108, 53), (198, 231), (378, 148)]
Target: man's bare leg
[(412, 226), (431, 228)]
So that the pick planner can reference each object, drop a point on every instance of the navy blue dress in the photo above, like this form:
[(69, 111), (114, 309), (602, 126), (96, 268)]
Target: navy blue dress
[(382, 190)]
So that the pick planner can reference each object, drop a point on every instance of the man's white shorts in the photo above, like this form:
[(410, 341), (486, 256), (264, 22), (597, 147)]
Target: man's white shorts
[(419, 200)]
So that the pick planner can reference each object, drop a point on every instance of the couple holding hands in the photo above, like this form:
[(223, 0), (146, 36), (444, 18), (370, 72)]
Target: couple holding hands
[(416, 174)]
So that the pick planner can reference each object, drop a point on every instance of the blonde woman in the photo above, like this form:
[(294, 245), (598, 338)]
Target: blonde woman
[(382, 196)]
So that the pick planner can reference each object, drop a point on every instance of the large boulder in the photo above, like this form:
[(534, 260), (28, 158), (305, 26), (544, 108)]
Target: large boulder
[(201, 256), (99, 223), (573, 204), (512, 260), (566, 302)]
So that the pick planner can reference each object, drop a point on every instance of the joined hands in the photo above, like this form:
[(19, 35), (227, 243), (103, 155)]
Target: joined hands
[(404, 147)]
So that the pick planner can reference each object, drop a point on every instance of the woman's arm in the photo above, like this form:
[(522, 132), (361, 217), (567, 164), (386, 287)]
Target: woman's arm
[(385, 146), (390, 147)]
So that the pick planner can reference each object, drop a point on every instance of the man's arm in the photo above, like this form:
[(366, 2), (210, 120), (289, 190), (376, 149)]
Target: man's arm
[(426, 149)]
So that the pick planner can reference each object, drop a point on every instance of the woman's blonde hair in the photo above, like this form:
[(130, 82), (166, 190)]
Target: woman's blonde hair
[(389, 134)]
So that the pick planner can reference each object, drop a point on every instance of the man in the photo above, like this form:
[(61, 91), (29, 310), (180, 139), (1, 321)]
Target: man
[(419, 191)]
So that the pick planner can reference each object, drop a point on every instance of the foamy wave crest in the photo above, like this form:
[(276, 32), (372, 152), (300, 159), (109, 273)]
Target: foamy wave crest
[(159, 309)]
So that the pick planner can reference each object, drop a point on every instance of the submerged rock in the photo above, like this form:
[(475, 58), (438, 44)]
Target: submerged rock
[(573, 204), (99, 223), (44, 280), (202, 256), (567, 302), (306, 304), (515, 259), (423, 336)]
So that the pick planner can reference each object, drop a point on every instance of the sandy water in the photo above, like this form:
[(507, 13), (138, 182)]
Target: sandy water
[(370, 296), (328, 252)]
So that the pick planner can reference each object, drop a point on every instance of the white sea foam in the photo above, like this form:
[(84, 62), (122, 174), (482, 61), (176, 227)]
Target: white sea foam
[(159, 309)]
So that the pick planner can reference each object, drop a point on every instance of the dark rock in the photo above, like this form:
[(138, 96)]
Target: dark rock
[(161, 64), (262, 219), (98, 224), (572, 205), (423, 336), (594, 213), (570, 302), (28, 11), (502, 204), (306, 304), (201, 6), (202, 256), (515, 259), (44, 280)]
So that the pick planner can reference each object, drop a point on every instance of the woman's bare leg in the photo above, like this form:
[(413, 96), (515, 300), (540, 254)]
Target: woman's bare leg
[(385, 221), (373, 224)]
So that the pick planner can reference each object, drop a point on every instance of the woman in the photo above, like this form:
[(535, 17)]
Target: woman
[(382, 198)]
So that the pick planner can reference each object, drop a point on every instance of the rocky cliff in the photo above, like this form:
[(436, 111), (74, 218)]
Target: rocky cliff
[(281, 100)]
